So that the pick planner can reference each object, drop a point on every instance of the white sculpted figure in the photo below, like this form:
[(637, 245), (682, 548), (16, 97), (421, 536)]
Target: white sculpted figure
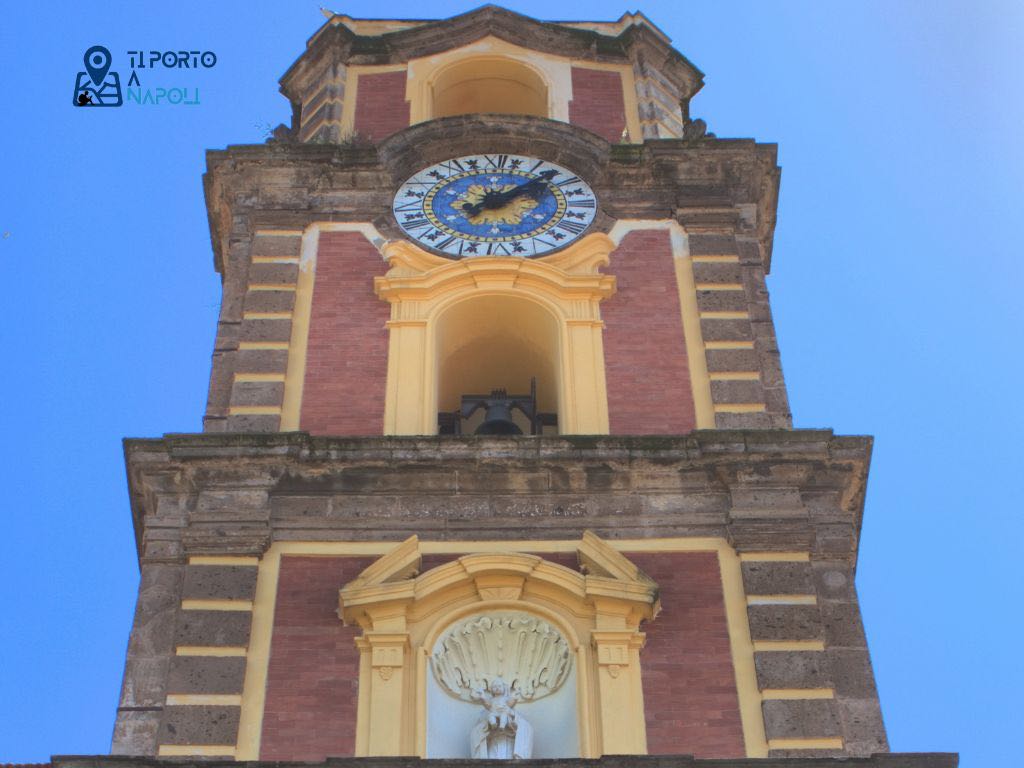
[(499, 660), (500, 733)]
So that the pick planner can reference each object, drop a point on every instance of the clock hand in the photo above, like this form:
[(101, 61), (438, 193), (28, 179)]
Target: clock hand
[(492, 200)]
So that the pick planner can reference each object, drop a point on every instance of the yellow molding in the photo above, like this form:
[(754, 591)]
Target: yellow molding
[(782, 600), (722, 259), (278, 233), (291, 409), (769, 694), (700, 383), (254, 410), (223, 560), (253, 377), (778, 557), (539, 546), (788, 645), (724, 315), (203, 699), (719, 287), (728, 344), (272, 287), (295, 379), (188, 750), (254, 690), (266, 315), (253, 698), (564, 289), (263, 345), (216, 605), (805, 743), (275, 260), (740, 407), (553, 70), (754, 737), (736, 376), (210, 650)]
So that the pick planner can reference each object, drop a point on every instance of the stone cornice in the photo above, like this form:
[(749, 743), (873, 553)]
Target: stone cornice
[(236, 493), (337, 44)]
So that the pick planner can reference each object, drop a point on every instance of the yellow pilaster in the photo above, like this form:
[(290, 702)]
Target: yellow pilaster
[(387, 655), (620, 691)]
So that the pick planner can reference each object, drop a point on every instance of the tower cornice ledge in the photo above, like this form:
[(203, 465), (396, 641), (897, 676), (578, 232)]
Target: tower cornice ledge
[(784, 490)]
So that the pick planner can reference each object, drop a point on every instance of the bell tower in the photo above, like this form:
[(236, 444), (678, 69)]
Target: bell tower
[(498, 461)]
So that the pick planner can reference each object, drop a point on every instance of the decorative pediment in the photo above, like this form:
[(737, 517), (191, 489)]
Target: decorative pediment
[(498, 627), (610, 585)]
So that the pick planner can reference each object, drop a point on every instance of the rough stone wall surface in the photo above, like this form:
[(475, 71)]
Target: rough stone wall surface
[(690, 694), (150, 646), (381, 108), (648, 376), (313, 673), (346, 353), (597, 103)]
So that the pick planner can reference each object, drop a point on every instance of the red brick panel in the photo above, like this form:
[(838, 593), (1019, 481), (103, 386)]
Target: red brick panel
[(647, 372), (313, 674), (597, 102), (689, 685), (347, 349), (381, 108)]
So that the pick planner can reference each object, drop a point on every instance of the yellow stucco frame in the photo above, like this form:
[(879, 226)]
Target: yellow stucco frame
[(421, 286), (554, 71), (402, 615)]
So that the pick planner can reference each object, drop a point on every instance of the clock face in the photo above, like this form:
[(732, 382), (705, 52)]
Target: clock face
[(495, 205)]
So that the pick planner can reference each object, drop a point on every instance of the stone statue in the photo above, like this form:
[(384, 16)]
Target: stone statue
[(498, 660), (500, 733)]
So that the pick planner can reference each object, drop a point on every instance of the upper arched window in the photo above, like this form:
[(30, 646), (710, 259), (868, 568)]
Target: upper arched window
[(497, 85)]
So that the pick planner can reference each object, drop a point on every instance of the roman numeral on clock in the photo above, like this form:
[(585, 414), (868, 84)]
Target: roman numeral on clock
[(589, 203), (454, 166), (573, 227), (412, 226), (496, 162)]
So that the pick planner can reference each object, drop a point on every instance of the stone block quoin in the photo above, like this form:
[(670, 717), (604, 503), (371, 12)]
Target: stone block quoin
[(249, 364), (840, 664)]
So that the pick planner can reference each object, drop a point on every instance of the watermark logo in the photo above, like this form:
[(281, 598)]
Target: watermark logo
[(97, 86)]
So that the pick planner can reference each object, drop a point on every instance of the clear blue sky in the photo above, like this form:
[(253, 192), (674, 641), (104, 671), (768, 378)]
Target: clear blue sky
[(896, 290)]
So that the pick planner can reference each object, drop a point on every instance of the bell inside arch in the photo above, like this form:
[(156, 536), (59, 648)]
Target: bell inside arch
[(498, 416)]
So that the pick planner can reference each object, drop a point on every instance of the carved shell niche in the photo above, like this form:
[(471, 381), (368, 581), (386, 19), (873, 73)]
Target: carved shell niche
[(526, 652)]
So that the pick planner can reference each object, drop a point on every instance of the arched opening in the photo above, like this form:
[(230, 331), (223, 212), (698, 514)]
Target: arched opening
[(495, 85), (491, 342)]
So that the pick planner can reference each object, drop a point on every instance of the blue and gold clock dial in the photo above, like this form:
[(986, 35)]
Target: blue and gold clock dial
[(495, 205)]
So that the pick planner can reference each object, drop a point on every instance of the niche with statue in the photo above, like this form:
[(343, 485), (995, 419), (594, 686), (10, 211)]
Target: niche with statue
[(502, 686)]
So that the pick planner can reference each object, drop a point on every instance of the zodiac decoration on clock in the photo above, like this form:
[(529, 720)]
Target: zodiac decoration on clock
[(495, 205)]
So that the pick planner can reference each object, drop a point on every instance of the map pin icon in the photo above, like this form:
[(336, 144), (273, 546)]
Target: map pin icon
[(97, 62)]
